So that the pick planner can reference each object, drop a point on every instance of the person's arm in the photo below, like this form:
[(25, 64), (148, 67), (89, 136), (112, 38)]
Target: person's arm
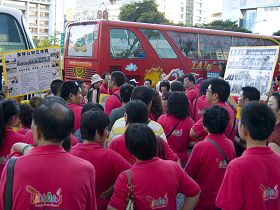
[(110, 208), (274, 147), (94, 96), (170, 74), (22, 148), (107, 193), (190, 202)]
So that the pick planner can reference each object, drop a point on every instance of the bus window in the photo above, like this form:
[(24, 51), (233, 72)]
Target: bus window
[(240, 41), (159, 43), (186, 42), (81, 40), (124, 44), (214, 46), (11, 37)]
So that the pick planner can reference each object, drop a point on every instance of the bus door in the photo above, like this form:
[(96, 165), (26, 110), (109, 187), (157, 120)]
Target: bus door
[(130, 53)]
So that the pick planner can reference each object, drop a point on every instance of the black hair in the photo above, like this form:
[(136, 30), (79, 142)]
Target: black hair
[(67, 88), (204, 85), (104, 75), (278, 77), (258, 119), (177, 86), (165, 96), (54, 119), (178, 105), (141, 141), (36, 101), (25, 115), (251, 93), (190, 78), (56, 86), (215, 119), (156, 108), (142, 93), (221, 87), (8, 109), (181, 79), (118, 77), (136, 111), (277, 98), (149, 80), (164, 83), (92, 106), (92, 122), (132, 83), (125, 92)]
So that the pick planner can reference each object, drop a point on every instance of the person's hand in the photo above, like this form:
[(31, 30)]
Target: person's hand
[(269, 93)]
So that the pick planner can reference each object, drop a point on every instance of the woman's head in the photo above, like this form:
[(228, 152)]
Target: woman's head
[(156, 108), (178, 105), (25, 115), (274, 103), (164, 86)]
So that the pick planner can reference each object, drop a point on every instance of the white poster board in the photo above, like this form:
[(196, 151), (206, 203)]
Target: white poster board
[(251, 66), (31, 71)]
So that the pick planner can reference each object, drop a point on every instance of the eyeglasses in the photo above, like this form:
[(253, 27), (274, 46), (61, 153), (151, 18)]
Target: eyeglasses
[(208, 90)]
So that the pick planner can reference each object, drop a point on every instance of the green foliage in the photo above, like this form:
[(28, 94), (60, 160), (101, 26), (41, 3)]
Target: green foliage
[(145, 12), (47, 42), (277, 33), (226, 25)]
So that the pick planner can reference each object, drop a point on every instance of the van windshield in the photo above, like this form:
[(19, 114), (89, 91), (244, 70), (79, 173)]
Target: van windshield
[(11, 37)]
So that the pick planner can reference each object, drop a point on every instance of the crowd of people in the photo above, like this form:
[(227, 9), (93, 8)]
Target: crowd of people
[(180, 145)]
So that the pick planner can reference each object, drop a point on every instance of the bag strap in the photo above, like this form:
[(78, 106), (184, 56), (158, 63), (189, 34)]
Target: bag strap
[(219, 149), (117, 97), (233, 126), (9, 184), (171, 131), (129, 184), (194, 110)]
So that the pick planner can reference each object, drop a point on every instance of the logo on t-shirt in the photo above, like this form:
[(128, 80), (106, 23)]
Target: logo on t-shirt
[(221, 163), (3, 159), (269, 193), (45, 199), (177, 132), (158, 203)]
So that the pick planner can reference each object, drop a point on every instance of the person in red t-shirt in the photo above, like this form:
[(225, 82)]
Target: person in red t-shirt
[(276, 86), (48, 177), (155, 182), (252, 180), (114, 101), (206, 162), (71, 93), (107, 163), (104, 89), (217, 94), (9, 118), (192, 91), (177, 124)]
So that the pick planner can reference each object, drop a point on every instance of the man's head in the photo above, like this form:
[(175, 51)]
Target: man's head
[(144, 94), (248, 94), (53, 121), (215, 119), (84, 87), (56, 86), (106, 77), (148, 83), (257, 122), (117, 79), (136, 111), (217, 91), (125, 92), (71, 92), (177, 86), (189, 81), (204, 85)]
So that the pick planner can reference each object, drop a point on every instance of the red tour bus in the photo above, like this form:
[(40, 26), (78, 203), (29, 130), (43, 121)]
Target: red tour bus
[(143, 50)]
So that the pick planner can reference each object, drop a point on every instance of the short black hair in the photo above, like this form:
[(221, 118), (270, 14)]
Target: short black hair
[(277, 97), (56, 86), (142, 93), (67, 88), (104, 75), (278, 77), (54, 118), (215, 119), (137, 112), (93, 121), (118, 77), (190, 78), (125, 92), (204, 85), (258, 119), (164, 83), (25, 115), (149, 80), (178, 105), (221, 87), (251, 93), (156, 108), (177, 86), (141, 141), (91, 106)]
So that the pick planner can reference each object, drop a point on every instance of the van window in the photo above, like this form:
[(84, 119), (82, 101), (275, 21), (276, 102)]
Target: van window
[(81, 40), (11, 37), (125, 44)]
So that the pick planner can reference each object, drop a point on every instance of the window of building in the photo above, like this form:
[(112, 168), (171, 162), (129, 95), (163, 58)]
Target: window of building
[(159, 43), (125, 44)]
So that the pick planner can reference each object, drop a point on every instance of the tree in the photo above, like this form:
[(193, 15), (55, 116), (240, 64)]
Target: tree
[(145, 12), (53, 40), (277, 33), (226, 25)]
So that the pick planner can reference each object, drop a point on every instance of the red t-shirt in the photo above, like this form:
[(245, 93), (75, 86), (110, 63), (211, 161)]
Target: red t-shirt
[(77, 109), (198, 126), (180, 137), (108, 165), (112, 102), (50, 178), (251, 181), (192, 93), (10, 138), (155, 185), (198, 107), (23, 130), (104, 89), (207, 164), (275, 136), (118, 145)]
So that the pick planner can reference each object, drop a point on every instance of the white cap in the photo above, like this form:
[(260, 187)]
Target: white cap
[(134, 80), (96, 78)]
